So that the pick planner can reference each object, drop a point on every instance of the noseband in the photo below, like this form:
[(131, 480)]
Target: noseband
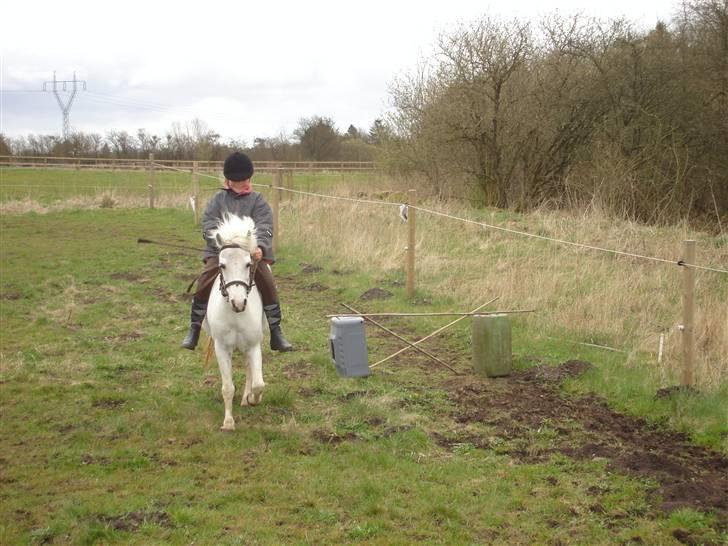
[(248, 286)]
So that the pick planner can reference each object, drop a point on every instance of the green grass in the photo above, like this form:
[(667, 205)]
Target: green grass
[(50, 185), (110, 432)]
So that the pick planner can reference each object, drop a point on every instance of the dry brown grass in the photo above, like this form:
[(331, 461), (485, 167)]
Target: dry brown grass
[(103, 199), (582, 295)]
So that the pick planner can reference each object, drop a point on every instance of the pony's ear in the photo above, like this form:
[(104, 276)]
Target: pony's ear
[(219, 240)]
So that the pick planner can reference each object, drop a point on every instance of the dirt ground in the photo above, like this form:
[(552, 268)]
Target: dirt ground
[(688, 475)]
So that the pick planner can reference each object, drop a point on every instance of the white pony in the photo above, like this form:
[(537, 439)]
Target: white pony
[(235, 311)]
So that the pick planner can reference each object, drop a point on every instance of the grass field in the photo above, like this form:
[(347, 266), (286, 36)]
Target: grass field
[(61, 188), (110, 432)]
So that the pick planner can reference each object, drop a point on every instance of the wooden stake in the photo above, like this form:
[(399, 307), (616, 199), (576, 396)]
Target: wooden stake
[(411, 219), (276, 206), (289, 183), (196, 191), (433, 357), (688, 314), (151, 181), (433, 333)]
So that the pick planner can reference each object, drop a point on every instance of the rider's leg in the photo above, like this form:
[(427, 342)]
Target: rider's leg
[(271, 306), (199, 302)]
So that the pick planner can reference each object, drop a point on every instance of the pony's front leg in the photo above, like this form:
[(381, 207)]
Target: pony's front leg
[(224, 360), (254, 385)]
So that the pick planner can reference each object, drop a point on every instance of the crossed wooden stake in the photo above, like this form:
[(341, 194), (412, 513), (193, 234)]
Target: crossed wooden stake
[(411, 345)]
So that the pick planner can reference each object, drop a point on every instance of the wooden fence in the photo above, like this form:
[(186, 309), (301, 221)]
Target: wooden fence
[(105, 163)]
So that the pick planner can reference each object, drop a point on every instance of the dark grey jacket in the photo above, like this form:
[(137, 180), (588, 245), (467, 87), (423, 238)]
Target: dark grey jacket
[(253, 205)]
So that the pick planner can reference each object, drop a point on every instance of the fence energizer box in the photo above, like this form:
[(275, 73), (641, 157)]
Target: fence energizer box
[(349, 346)]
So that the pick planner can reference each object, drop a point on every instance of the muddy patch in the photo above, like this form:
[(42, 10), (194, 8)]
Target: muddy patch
[(315, 287), (132, 521), (332, 438), (352, 395), (126, 337), (454, 440), (669, 392), (87, 459), (108, 403), (131, 277), (301, 369), (584, 427), (171, 297), (376, 294), (11, 296), (550, 374)]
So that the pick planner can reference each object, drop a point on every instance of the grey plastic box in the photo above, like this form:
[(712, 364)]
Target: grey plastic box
[(349, 346)]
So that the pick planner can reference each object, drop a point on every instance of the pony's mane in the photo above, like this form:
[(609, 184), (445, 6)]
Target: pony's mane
[(234, 230)]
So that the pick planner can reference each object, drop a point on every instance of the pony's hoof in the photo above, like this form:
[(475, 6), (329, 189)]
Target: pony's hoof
[(253, 399), (228, 426)]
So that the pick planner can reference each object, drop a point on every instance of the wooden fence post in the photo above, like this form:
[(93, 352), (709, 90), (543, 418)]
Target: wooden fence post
[(411, 216), (688, 314), (151, 181), (276, 206), (196, 191)]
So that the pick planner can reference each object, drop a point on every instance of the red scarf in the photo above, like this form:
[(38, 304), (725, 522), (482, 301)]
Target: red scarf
[(247, 188)]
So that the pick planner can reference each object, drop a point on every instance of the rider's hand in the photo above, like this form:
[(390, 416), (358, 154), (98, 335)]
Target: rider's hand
[(258, 254)]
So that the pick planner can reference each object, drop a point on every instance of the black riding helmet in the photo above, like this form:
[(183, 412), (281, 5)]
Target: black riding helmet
[(238, 166)]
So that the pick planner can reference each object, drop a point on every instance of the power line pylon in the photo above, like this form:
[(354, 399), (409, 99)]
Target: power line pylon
[(65, 107)]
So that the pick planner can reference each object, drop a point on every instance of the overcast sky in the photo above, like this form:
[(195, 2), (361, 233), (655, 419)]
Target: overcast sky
[(247, 69)]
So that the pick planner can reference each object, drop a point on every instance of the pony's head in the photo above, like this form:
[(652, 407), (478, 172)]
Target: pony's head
[(235, 237)]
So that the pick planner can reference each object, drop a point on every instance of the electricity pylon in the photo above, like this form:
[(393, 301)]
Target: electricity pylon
[(65, 108)]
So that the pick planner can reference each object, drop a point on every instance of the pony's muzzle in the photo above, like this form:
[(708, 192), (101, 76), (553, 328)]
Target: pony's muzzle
[(236, 308)]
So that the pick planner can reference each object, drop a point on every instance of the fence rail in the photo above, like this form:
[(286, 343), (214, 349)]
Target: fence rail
[(39, 162)]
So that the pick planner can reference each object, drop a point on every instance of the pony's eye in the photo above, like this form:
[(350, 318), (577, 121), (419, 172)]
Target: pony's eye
[(222, 266), (247, 265)]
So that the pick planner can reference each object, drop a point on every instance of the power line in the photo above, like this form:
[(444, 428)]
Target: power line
[(485, 225), (520, 233)]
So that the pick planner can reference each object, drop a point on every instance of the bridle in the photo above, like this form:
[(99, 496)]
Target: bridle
[(248, 285)]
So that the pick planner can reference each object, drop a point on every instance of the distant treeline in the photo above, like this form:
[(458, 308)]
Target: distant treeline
[(562, 112), (573, 111), (315, 139)]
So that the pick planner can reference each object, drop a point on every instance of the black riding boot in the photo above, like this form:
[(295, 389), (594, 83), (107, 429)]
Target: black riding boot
[(197, 314), (277, 341)]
